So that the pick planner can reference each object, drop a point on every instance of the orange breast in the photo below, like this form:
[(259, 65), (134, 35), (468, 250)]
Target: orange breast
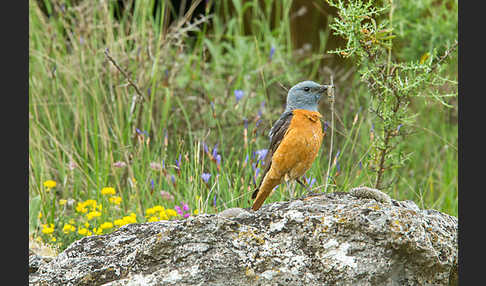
[(299, 147)]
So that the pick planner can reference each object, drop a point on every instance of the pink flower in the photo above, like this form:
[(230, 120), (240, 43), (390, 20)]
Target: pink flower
[(166, 196), (155, 166), (178, 210), (119, 164), (182, 211)]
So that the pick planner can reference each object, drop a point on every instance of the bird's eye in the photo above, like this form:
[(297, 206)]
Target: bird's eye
[(306, 88)]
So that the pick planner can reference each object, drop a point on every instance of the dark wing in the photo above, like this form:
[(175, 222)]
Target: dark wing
[(276, 135)]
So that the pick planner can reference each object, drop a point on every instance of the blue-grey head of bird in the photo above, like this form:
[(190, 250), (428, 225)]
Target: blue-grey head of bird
[(305, 95)]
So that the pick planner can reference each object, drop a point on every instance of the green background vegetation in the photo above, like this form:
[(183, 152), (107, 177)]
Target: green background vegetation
[(84, 114)]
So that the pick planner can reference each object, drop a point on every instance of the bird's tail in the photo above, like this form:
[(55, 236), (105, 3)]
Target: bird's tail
[(255, 192), (263, 192)]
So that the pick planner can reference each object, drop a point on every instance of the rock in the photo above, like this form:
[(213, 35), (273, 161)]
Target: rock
[(35, 261), (328, 239)]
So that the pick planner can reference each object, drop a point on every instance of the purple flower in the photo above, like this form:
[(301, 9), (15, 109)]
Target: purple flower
[(215, 150), (310, 181), (246, 159), (337, 156), (261, 154), (256, 172), (398, 128), (178, 162), (205, 146), (239, 95), (214, 200), (149, 91), (205, 177), (325, 126), (152, 184), (172, 178), (141, 132), (218, 159), (272, 52), (258, 122), (187, 215)]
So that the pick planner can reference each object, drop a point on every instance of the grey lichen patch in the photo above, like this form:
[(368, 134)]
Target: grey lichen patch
[(249, 235), (370, 193), (339, 238), (234, 212)]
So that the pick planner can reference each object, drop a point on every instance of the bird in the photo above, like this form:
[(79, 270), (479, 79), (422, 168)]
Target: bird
[(295, 140)]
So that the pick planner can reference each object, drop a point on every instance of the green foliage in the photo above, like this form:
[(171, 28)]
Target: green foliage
[(391, 84), (89, 128)]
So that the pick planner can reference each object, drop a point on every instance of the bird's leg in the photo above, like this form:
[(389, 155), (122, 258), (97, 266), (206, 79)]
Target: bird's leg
[(302, 184), (306, 187)]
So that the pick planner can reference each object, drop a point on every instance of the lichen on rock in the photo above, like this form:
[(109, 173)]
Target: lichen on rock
[(328, 239)]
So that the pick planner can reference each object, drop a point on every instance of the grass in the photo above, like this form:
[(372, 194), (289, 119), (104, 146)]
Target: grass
[(85, 119)]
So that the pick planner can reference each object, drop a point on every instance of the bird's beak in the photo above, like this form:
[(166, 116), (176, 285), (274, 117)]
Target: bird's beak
[(323, 88)]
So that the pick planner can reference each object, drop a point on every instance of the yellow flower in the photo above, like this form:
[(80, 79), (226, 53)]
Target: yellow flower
[(81, 208), (47, 229), (98, 230), (53, 239), (106, 225), (93, 214), (153, 218), (132, 218), (86, 224), (108, 191), (196, 211), (90, 203), (62, 202), (118, 222), (115, 200), (163, 215), (68, 228), (49, 184), (158, 208), (83, 231), (170, 212), (40, 215), (150, 211)]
